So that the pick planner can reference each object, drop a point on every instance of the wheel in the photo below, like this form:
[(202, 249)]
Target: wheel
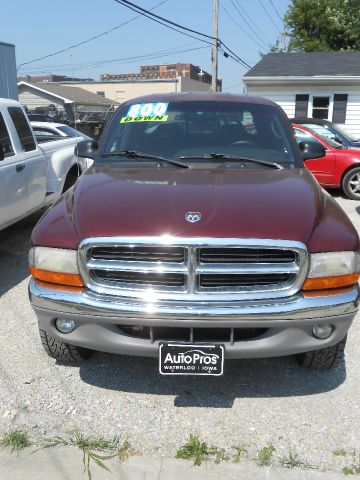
[(351, 183), (70, 180), (325, 358), (63, 351)]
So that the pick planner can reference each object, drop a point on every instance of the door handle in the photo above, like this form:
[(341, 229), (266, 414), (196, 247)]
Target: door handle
[(20, 168)]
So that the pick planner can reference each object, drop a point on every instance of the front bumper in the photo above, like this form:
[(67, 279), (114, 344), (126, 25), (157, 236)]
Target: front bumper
[(288, 321)]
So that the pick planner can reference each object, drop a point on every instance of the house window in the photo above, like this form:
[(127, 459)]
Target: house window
[(340, 107), (320, 107), (101, 94), (301, 105)]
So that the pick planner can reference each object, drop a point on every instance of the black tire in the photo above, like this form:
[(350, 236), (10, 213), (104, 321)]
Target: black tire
[(70, 180), (325, 358), (351, 183), (63, 351)]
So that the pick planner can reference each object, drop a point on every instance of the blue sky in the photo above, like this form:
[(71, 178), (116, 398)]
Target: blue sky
[(41, 27)]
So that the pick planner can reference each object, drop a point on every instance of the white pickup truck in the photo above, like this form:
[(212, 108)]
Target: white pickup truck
[(32, 176)]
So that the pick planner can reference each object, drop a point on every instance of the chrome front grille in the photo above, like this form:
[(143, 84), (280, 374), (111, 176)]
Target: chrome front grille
[(193, 269)]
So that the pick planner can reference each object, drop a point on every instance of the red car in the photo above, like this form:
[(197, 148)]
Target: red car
[(340, 167)]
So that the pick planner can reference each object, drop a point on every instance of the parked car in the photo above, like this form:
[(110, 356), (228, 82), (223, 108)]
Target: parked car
[(47, 132), (40, 117), (195, 240), (32, 175), (44, 129), (334, 131), (339, 168)]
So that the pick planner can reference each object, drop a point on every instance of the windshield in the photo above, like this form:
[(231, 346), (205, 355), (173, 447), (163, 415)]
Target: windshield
[(197, 128), (345, 133), (324, 133)]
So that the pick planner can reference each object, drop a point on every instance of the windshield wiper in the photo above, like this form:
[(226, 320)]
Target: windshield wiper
[(223, 156), (134, 154)]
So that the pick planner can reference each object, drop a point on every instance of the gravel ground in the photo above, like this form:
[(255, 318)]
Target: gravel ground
[(257, 402)]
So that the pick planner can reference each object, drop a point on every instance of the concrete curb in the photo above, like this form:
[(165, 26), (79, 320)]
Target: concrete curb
[(63, 463)]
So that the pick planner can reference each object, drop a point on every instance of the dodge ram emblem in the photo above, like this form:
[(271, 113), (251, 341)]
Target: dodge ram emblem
[(192, 217)]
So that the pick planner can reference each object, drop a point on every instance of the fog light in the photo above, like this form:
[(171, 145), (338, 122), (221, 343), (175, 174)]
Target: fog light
[(64, 325), (322, 331)]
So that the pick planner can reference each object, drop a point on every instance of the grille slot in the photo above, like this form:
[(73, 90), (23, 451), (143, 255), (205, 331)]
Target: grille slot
[(221, 281), (193, 270), (246, 255), (183, 334), (140, 278), (130, 253)]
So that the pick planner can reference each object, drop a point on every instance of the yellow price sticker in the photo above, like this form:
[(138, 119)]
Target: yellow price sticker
[(145, 118)]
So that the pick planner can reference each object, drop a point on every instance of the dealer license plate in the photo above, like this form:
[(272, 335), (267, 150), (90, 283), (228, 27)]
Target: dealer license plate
[(188, 359)]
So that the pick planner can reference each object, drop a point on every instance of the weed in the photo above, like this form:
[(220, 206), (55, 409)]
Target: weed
[(124, 451), (219, 454), (264, 456), (90, 446), (240, 450), (353, 469), (17, 440), (340, 452), (292, 460), (194, 450)]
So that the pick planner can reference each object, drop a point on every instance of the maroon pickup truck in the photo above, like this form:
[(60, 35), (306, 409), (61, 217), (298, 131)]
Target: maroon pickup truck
[(198, 236)]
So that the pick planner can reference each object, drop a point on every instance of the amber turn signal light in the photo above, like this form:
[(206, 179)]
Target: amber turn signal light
[(330, 282), (58, 278)]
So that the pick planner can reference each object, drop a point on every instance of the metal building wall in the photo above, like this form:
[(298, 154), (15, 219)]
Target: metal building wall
[(8, 83)]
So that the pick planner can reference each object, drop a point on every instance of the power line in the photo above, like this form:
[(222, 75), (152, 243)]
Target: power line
[(148, 56), (132, 6), (276, 11), (179, 28), (270, 17), (252, 21), (235, 5), (96, 62), (232, 86), (134, 9), (89, 39), (241, 28)]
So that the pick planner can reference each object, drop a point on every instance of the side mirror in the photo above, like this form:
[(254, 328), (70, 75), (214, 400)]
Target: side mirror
[(311, 150), (338, 140), (2, 154), (87, 149)]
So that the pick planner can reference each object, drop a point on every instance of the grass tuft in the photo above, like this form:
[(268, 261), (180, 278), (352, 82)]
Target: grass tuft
[(219, 454), (16, 440), (340, 452), (240, 450), (292, 460), (264, 456), (353, 469), (195, 450), (90, 447)]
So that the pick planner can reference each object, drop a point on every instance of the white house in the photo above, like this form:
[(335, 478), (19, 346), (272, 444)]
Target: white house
[(315, 84)]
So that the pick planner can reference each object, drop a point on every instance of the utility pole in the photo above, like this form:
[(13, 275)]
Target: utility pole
[(214, 53)]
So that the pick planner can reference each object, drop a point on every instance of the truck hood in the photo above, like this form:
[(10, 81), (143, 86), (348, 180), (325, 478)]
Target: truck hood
[(235, 203)]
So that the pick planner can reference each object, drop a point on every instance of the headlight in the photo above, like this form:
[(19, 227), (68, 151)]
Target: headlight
[(332, 270), (55, 265)]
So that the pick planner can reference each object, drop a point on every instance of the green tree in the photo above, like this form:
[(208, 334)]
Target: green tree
[(321, 26)]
